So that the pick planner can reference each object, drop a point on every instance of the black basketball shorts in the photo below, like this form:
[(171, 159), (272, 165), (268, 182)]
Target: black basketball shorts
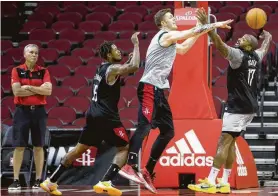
[(154, 108)]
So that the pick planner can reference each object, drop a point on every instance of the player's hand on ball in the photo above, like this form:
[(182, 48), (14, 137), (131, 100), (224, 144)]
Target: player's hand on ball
[(265, 34), (224, 24), (134, 38), (201, 16)]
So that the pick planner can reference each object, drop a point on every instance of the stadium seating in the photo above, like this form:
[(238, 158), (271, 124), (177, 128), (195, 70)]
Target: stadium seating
[(70, 33)]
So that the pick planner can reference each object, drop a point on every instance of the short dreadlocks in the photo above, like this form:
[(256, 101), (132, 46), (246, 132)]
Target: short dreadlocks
[(105, 48)]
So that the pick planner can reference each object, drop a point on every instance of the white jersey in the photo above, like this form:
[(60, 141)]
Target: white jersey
[(159, 63)]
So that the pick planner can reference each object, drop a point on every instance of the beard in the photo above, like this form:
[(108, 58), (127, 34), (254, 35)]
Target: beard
[(117, 60)]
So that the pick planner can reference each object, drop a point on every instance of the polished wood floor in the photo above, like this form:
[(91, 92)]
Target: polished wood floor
[(132, 191)]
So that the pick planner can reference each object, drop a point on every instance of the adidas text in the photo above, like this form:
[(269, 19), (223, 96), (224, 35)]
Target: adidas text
[(188, 161)]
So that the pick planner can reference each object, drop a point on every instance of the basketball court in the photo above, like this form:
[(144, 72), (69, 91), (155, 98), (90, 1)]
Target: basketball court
[(87, 190)]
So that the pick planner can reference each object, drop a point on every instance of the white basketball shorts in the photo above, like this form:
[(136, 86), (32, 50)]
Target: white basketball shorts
[(236, 122)]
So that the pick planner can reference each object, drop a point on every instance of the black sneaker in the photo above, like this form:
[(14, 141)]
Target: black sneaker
[(36, 184), (15, 185)]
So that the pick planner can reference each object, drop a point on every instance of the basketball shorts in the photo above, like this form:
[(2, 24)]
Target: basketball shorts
[(98, 129), (236, 123), (154, 108)]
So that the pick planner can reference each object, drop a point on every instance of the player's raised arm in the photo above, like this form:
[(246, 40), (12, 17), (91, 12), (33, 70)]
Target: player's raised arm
[(219, 44), (265, 45), (129, 67), (173, 36)]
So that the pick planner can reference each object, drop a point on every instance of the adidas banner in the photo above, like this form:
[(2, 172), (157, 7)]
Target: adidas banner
[(191, 151)]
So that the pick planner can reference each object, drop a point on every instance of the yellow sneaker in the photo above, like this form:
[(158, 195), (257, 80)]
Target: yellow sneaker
[(106, 187), (50, 187), (204, 187), (222, 188)]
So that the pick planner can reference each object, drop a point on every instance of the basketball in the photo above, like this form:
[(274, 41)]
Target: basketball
[(256, 18)]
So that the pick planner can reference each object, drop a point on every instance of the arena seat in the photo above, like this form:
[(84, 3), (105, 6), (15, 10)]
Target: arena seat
[(61, 25), (65, 114)]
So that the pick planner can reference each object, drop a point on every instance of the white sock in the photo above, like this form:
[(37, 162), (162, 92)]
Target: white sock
[(226, 175), (212, 175)]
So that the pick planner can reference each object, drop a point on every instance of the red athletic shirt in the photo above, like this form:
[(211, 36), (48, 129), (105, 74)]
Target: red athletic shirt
[(36, 77)]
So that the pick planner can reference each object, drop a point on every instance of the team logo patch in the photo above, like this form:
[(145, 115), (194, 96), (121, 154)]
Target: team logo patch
[(120, 131)]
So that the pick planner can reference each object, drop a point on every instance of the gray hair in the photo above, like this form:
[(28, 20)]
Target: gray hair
[(30, 46)]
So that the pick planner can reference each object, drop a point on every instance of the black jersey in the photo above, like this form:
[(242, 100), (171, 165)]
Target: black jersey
[(242, 85), (105, 97)]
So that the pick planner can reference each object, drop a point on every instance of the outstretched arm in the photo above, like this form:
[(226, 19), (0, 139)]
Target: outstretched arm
[(186, 45), (215, 38), (129, 67), (265, 45), (173, 36)]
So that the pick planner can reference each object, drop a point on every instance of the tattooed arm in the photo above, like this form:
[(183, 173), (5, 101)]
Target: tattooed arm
[(265, 45)]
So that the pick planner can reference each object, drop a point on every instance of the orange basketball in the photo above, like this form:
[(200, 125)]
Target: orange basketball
[(256, 18)]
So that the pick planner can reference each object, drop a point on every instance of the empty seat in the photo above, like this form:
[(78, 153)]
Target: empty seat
[(244, 4), (220, 92), (149, 17), (49, 55), (273, 18), (215, 4), (86, 71), (83, 53), (43, 35), (80, 122), (7, 121), (147, 26), (70, 16), (45, 17), (218, 104), (124, 4), (237, 10), (72, 3), (61, 25), (111, 10), (59, 71), (128, 93), (65, 114), (122, 103), (124, 45), (271, 26), (128, 124), (126, 34), (85, 92), (75, 82), (129, 113), (215, 71), (242, 25), (79, 104), (133, 17), (6, 61), (142, 10), (220, 81), (272, 4), (9, 102), (26, 42), (226, 16), (93, 43), (62, 93), (220, 62), (122, 25), (79, 8), (150, 3), (6, 44), (73, 35), (54, 122), (105, 35), (62, 45), (51, 102), (5, 112), (71, 61), (93, 4), (102, 17), (30, 25), (52, 9), (15, 53), (90, 26), (94, 61), (6, 83), (133, 80), (149, 35)]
